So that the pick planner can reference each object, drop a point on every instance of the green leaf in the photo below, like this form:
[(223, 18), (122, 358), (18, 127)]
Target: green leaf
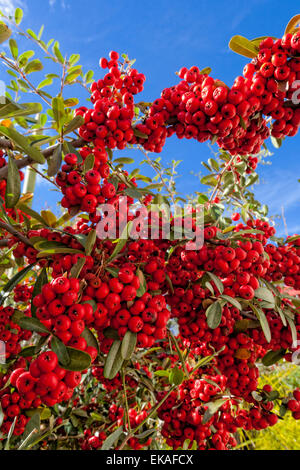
[(143, 285), (206, 71), (128, 344), (68, 148), (202, 199), (110, 333), (212, 408), (263, 321), (162, 373), (140, 134), (33, 424), (10, 109), (88, 163), (77, 267), (54, 162), (71, 76), (124, 160), (10, 433), (18, 15), (54, 247), (243, 46), (176, 376), (41, 280), (34, 66), (23, 58), (214, 315), (114, 360), (5, 32), (293, 331), (76, 122), (61, 351), (217, 281), (245, 324), (43, 83), (79, 360), (57, 52), (169, 282), (31, 324), (265, 294), (32, 34), (13, 48), (271, 357), (88, 78), (112, 438), (69, 102), (59, 249), (292, 24), (41, 32), (32, 213), (121, 242), (90, 242), (209, 179), (28, 352), (58, 109), (232, 301), (276, 142), (113, 271), (16, 279), (132, 192), (13, 187), (90, 338), (74, 58), (23, 144)]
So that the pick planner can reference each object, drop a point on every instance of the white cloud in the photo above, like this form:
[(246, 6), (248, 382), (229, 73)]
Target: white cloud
[(8, 6), (64, 5)]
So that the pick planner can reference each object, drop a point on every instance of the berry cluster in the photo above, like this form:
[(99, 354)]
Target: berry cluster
[(11, 333), (109, 123)]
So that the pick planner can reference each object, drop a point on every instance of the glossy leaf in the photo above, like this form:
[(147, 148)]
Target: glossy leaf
[(292, 25), (112, 438), (13, 186), (271, 357), (16, 279), (90, 338), (54, 162), (61, 351), (243, 46), (5, 32), (33, 66), (79, 360), (31, 324), (18, 15), (23, 144), (41, 280), (214, 315), (114, 360), (128, 344)]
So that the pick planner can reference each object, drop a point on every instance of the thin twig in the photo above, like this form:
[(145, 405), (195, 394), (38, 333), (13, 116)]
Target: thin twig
[(158, 172), (221, 174), (6, 144), (9, 228)]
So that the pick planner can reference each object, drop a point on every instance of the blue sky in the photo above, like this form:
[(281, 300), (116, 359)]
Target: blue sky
[(164, 35)]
